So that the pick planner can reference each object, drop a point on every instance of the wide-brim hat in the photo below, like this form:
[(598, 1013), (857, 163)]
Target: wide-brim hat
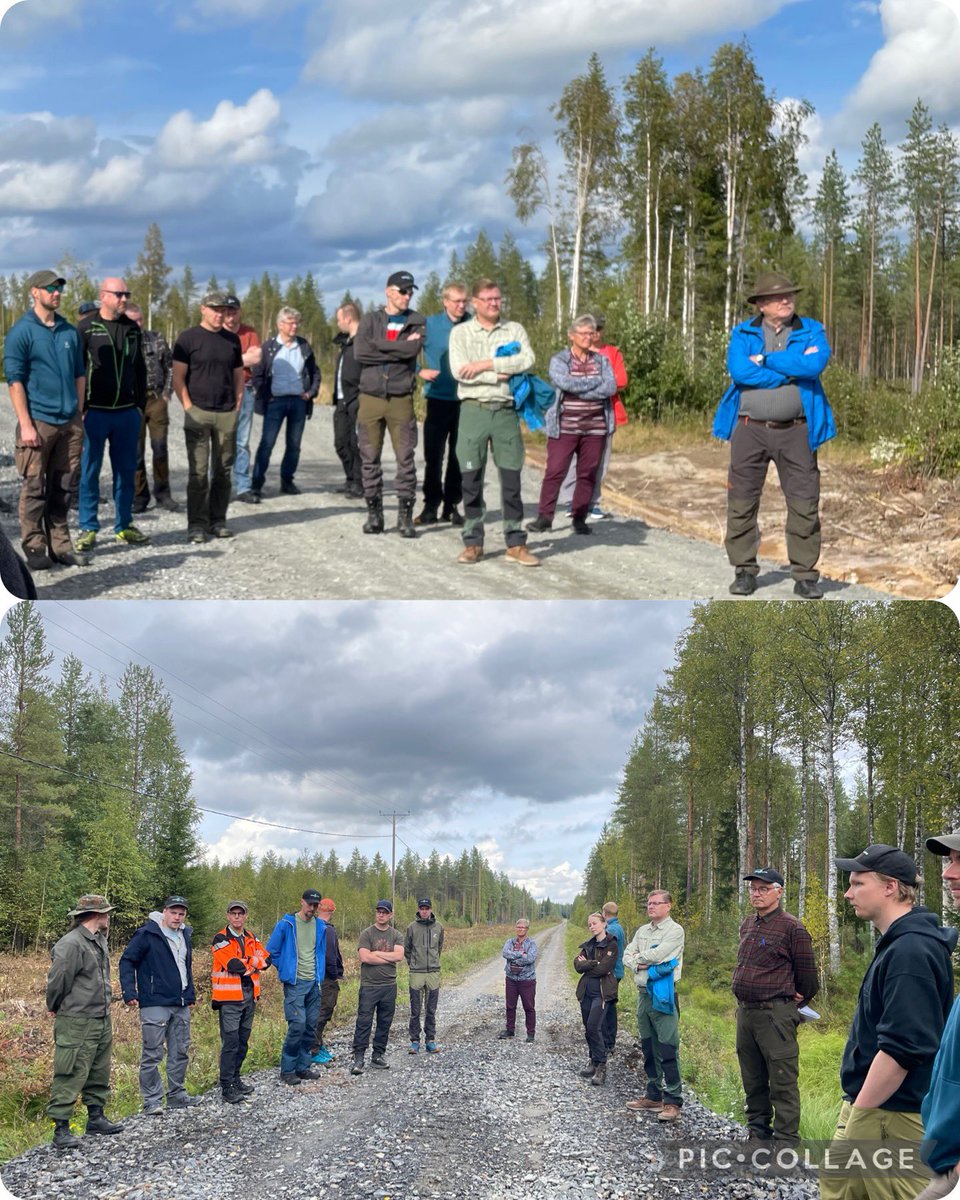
[(772, 283), (91, 904)]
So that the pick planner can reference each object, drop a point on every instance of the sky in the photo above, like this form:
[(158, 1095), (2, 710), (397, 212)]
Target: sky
[(500, 725), (354, 140)]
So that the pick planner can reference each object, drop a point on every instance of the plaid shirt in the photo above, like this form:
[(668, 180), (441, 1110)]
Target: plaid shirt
[(775, 959)]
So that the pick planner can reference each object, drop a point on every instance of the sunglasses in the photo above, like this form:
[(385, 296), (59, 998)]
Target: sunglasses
[(53, 287), (119, 295)]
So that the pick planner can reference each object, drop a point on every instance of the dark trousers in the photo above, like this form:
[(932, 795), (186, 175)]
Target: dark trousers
[(375, 416), (524, 990), (490, 427), (440, 436), (379, 999), (48, 474), (429, 1011), (293, 410), (329, 995), (156, 422), (610, 1025), (769, 1059), (560, 452), (211, 444), (345, 439), (236, 1022), (592, 1013), (752, 448)]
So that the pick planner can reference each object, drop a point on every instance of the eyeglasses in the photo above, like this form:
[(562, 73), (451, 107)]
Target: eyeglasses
[(656, 903), (385, 911), (488, 299), (760, 890), (53, 287), (119, 295)]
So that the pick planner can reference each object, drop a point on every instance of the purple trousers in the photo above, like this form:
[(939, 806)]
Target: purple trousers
[(560, 451), (524, 990)]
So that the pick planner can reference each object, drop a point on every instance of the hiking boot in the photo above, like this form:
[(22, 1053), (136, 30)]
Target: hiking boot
[(522, 556), (290, 1077), (168, 503), (72, 559), (233, 1095), (531, 1037), (405, 519), (183, 1101), (414, 1047), (140, 506), (428, 516), (807, 589), (357, 1068), (131, 536), (98, 1123), (589, 1070), (452, 514), (433, 1048), (504, 1033), (669, 1112), (600, 1075), (308, 1074), (580, 525), (85, 541), (377, 1060), (63, 1139), (374, 521), (221, 531), (645, 1104), (540, 524), (470, 554), (247, 1088), (37, 560), (153, 1110), (197, 537), (289, 488), (744, 584), (248, 498)]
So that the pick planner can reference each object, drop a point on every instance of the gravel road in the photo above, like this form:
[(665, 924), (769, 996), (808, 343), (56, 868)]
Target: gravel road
[(311, 547), (483, 1119)]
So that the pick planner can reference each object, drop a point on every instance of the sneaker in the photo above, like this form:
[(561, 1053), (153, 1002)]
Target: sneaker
[(290, 1077), (504, 1033), (153, 1110), (248, 498), (221, 531), (807, 589), (669, 1112), (233, 1095), (470, 554), (414, 1047), (377, 1060), (131, 536), (522, 556), (86, 540), (196, 537), (598, 513), (744, 584), (183, 1101), (309, 1075), (433, 1048), (247, 1088), (645, 1105), (322, 1057)]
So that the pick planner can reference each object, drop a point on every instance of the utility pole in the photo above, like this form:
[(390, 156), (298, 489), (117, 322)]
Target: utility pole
[(393, 853)]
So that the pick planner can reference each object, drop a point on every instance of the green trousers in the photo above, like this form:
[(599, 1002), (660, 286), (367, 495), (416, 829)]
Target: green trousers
[(886, 1165), (81, 1064), (659, 1034), (769, 1060)]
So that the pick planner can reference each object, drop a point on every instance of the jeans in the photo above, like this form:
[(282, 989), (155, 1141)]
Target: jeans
[(293, 410), (241, 464), (122, 430), (382, 1000), (164, 1028), (301, 1007)]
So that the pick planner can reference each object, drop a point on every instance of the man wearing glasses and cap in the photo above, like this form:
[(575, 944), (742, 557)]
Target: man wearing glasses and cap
[(901, 1011), (775, 973), (422, 947), (43, 362), (298, 948), (775, 410), (238, 959), (386, 346), (156, 976)]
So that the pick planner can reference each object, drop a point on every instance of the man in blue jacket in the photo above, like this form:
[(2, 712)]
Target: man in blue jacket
[(298, 947), (610, 911), (775, 410), (156, 976)]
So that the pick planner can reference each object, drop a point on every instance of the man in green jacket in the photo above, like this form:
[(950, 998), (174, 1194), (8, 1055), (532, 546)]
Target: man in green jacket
[(422, 947), (79, 994)]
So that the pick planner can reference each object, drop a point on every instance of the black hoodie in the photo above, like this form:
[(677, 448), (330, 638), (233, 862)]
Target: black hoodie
[(902, 1008)]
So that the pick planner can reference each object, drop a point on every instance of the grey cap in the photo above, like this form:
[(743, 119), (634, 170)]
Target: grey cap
[(943, 843), (238, 904), (44, 279)]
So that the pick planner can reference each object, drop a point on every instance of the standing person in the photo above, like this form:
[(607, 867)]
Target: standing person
[(79, 994), (347, 400), (298, 948), (775, 410), (940, 1111), (380, 949), (238, 959), (488, 419), (579, 424), (208, 380), (422, 947), (520, 968), (155, 419), (775, 973), (386, 346), (286, 382), (250, 353), (43, 364), (615, 929), (902, 1008), (655, 955), (156, 976), (596, 988), (443, 412), (330, 988), (113, 413)]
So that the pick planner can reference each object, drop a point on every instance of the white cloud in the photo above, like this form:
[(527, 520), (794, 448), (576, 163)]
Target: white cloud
[(40, 187), (115, 183), (236, 133), (561, 882)]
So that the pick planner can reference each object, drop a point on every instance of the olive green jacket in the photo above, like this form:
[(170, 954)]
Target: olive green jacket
[(78, 984)]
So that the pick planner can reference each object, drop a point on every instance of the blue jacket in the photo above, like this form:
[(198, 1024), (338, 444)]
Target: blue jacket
[(521, 964), (660, 985), (614, 927), (47, 362), (149, 972), (282, 946), (436, 356), (801, 361), (941, 1105)]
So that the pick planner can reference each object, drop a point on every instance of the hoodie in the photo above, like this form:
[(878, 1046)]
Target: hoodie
[(902, 1007), (152, 972), (423, 944)]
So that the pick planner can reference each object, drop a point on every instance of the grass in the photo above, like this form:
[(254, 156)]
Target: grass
[(26, 1031)]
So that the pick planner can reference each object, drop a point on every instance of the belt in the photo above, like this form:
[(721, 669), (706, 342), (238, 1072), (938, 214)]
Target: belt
[(766, 1003), (772, 424), (491, 405)]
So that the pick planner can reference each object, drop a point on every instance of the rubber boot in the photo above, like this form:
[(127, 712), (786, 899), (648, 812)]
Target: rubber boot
[(599, 1075), (357, 1068), (405, 519), (374, 521), (98, 1123), (63, 1139)]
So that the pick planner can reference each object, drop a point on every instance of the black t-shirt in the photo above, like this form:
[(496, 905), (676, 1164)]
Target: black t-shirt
[(211, 358)]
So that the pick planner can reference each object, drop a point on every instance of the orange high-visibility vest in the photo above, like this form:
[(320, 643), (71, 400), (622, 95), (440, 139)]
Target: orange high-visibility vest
[(225, 986)]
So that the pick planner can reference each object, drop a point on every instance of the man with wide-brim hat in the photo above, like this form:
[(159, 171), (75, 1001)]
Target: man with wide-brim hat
[(775, 410), (79, 994)]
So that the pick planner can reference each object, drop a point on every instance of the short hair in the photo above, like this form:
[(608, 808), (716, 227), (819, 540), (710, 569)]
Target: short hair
[(523, 921), (610, 909), (599, 916), (134, 308), (482, 285), (287, 314), (585, 321), (660, 892), (350, 310), (453, 285), (906, 892)]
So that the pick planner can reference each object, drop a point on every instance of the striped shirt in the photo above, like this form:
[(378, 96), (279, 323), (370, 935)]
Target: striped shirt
[(581, 415), (775, 959)]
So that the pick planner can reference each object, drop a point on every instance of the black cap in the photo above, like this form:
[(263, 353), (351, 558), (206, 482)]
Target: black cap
[(385, 905), (402, 279), (230, 300), (886, 860), (424, 902), (944, 843), (88, 306), (176, 902), (312, 896), (766, 875)]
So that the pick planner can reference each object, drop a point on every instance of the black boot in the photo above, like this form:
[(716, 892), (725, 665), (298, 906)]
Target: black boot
[(98, 1123), (63, 1139), (589, 1070), (377, 1060), (405, 519), (599, 1075), (357, 1068), (374, 521)]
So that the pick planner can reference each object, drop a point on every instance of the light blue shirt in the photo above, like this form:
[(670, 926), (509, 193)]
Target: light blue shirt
[(287, 374)]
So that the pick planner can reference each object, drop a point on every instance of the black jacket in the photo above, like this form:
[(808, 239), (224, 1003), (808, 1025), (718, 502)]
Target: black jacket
[(388, 368), (116, 377), (601, 961), (263, 375), (347, 372), (149, 972), (902, 1007)]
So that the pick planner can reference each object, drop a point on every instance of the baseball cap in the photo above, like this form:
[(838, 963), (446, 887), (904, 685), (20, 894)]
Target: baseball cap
[(88, 306), (402, 279), (238, 904), (385, 905), (215, 300), (887, 860), (44, 279), (176, 902), (91, 904), (424, 902), (328, 905), (766, 875), (312, 896), (230, 300), (943, 843)]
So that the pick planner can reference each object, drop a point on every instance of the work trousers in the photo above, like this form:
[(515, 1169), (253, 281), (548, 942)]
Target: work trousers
[(769, 1060), (659, 1035), (941, 1186), (81, 1064), (424, 983), (211, 444), (439, 438), (592, 1012), (610, 1024), (561, 450), (156, 422), (301, 1007), (490, 427), (236, 1022), (48, 477), (874, 1155), (165, 1030), (524, 990), (379, 999), (375, 415), (345, 439), (121, 429), (329, 995)]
